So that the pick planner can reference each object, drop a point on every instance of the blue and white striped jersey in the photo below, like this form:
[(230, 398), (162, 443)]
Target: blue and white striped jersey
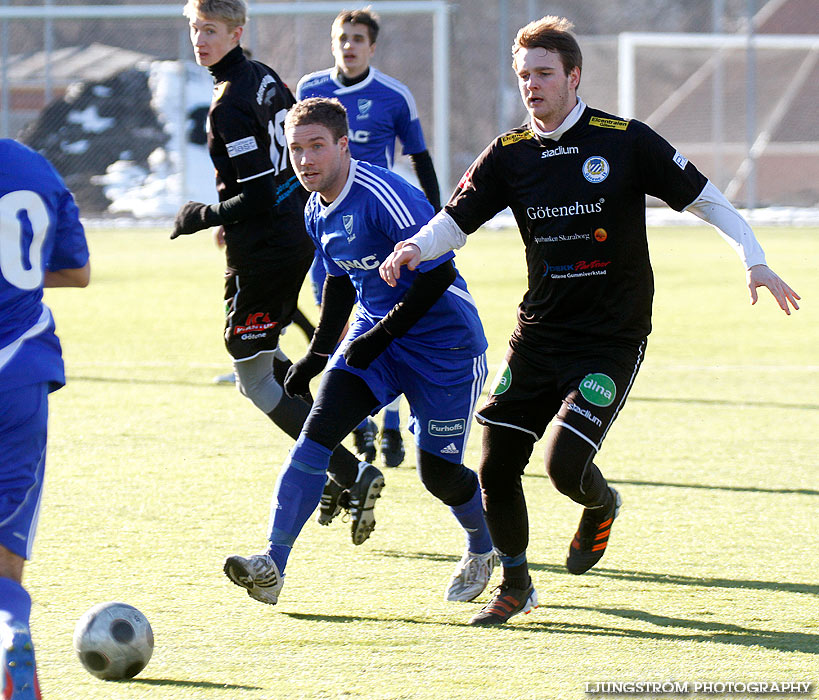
[(39, 229), (379, 109), (355, 234)]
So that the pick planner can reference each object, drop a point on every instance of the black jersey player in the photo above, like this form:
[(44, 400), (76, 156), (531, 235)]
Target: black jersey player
[(576, 180), (261, 207)]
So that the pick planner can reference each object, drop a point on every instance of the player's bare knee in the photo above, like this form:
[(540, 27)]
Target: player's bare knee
[(11, 565)]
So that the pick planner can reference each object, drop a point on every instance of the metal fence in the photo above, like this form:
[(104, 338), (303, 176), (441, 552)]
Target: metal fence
[(111, 95)]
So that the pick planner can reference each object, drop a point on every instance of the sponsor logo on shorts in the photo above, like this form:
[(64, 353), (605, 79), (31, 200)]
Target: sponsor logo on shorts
[(255, 323), (509, 139), (237, 148), (598, 389), (450, 449), (585, 413), (445, 428), (596, 169), (680, 160), (503, 380), (604, 123), (581, 268)]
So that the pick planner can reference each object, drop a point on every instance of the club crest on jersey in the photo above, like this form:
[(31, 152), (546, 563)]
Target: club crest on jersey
[(596, 169), (364, 106), (348, 227)]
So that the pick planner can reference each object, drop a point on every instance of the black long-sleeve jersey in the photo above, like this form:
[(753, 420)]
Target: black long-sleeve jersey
[(580, 206), (246, 141)]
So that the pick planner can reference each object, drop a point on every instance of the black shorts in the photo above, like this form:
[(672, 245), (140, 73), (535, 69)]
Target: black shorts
[(258, 307), (583, 390)]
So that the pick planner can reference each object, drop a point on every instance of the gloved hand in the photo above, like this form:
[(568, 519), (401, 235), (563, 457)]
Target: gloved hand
[(297, 381), (363, 350), (190, 218)]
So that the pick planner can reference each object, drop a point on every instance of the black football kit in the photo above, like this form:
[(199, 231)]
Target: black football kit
[(579, 202), (268, 250)]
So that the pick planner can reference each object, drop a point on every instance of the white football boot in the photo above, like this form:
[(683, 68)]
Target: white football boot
[(471, 576), (258, 574)]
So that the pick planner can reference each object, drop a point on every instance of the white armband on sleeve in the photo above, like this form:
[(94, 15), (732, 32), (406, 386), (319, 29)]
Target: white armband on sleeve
[(440, 235), (713, 207)]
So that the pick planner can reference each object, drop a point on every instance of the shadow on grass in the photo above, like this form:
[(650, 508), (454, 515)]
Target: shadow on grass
[(638, 576), (724, 402), (191, 684), (710, 632), (704, 487)]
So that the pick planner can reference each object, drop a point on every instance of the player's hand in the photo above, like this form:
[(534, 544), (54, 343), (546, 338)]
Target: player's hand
[(764, 276), (297, 380), (363, 350), (404, 253), (189, 219)]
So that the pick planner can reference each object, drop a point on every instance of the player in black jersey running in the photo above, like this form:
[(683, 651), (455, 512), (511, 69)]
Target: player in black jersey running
[(576, 180), (261, 207)]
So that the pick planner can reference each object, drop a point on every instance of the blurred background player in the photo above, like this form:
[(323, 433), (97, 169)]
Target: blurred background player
[(379, 109), (42, 244), (423, 339), (584, 320), (261, 207)]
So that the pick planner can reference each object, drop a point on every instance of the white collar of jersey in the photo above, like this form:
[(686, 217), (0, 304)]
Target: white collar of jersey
[(342, 88), (326, 210), (571, 119)]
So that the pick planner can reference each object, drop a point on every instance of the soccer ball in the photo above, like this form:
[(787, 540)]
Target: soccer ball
[(114, 641)]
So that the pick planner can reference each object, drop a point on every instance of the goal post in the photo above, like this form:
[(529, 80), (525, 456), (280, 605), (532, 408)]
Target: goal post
[(760, 94)]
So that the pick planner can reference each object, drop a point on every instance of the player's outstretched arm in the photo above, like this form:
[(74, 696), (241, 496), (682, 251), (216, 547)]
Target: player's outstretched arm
[(404, 253), (764, 276)]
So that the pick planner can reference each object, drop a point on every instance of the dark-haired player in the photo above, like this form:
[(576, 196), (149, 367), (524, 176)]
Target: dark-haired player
[(380, 109), (422, 339)]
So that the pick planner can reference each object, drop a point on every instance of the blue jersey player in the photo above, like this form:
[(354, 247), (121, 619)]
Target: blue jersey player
[(422, 339), (42, 244), (379, 110)]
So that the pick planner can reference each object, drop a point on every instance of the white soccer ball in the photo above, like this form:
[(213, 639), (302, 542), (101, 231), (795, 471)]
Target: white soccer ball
[(114, 641)]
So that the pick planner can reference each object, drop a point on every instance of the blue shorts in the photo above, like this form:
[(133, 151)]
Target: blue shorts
[(442, 392), (23, 435)]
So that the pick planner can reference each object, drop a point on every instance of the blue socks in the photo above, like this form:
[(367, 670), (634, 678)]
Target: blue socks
[(392, 419), (470, 516), (296, 496)]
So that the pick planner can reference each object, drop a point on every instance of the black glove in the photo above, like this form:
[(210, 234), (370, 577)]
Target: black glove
[(363, 350), (297, 381), (190, 218)]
